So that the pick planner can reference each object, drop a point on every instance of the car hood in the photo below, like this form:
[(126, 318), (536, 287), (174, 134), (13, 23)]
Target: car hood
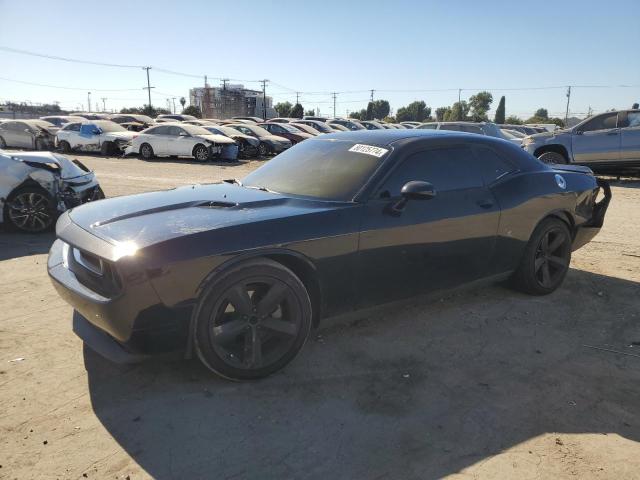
[(121, 135), (275, 138), (68, 169), (219, 139), (546, 135), (252, 140), (150, 218)]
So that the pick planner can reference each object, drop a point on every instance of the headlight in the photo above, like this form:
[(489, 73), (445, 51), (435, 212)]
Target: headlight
[(528, 140)]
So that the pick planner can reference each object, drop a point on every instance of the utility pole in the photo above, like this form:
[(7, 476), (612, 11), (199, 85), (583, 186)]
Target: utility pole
[(173, 99), (334, 104), (459, 91), (264, 99), (148, 87), (224, 100), (372, 90), (566, 115), (297, 97), (89, 101), (206, 99), (104, 107)]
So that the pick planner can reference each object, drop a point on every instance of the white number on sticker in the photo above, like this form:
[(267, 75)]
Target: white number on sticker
[(368, 150)]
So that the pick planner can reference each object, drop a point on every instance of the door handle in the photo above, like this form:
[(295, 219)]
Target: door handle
[(486, 203)]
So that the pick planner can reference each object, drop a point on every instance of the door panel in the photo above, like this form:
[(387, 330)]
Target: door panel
[(630, 138), (433, 244), (598, 142)]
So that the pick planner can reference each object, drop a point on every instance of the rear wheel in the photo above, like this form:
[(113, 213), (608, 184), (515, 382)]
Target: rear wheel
[(146, 151), (552, 158), (107, 148), (262, 150), (201, 153), (546, 258), (30, 210), (252, 320), (64, 146)]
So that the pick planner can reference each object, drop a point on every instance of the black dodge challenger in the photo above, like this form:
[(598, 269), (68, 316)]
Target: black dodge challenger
[(240, 271)]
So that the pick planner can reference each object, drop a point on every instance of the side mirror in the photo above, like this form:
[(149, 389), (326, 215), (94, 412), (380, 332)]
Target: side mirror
[(578, 132), (96, 131), (183, 134), (414, 190), (418, 190)]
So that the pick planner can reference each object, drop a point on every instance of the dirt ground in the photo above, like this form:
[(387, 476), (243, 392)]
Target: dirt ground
[(484, 383)]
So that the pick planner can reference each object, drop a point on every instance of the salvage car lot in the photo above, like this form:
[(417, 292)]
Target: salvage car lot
[(487, 382)]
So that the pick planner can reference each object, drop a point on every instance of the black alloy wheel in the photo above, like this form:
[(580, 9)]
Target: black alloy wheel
[(546, 258), (30, 210), (262, 150), (253, 321), (201, 153), (64, 146), (146, 151), (552, 158)]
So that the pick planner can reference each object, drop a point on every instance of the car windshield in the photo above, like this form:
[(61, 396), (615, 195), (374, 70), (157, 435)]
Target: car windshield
[(319, 168), (109, 126), (41, 123), (289, 128), (322, 127), (259, 131), (143, 118), (195, 129), (427, 126)]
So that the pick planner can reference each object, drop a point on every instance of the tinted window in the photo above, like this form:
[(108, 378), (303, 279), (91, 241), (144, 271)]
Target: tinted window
[(455, 128), (601, 122), (633, 119), (471, 129), (428, 126), (175, 131), (317, 168), (445, 168), (492, 165), (74, 127)]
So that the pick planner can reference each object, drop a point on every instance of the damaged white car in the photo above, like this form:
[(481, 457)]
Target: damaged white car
[(102, 136), (36, 187)]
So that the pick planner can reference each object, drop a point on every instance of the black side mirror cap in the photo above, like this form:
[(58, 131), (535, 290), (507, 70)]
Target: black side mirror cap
[(418, 190)]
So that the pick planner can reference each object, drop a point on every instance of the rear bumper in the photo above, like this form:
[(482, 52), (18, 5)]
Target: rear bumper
[(587, 231)]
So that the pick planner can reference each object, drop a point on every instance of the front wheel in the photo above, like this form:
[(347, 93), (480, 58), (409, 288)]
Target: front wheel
[(201, 153), (546, 258), (262, 150), (30, 210), (64, 146), (146, 151), (552, 158), (252, 320)]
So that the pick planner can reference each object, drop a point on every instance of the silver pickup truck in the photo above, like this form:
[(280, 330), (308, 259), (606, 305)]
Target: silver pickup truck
[(604, 141)]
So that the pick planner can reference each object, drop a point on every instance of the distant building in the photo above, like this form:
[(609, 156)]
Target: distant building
[(230, 101)]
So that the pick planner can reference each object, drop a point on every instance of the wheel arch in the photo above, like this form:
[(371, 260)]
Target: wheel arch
[(557, 148), (199, 144), (564, 216)]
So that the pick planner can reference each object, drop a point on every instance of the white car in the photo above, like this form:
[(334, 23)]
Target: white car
[(93, 136), (178, 139)]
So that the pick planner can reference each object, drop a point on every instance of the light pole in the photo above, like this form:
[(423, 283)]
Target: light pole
[(88, 101)]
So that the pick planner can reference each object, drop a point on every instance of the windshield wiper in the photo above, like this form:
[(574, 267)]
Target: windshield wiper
[(233, 181), (257, 187)]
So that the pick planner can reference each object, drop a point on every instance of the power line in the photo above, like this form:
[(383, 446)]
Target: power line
[(66, 59), (69, 88)]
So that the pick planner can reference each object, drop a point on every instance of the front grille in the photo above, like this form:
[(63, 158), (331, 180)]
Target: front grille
[(93, 272)]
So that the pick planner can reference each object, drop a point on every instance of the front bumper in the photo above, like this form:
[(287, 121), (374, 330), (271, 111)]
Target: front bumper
[(130, 315), (587, 231)]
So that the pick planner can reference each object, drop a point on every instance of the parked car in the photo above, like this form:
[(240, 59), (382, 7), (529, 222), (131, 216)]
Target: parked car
[(238, 273), (281, 120), (410, 124), (178, 140), (305, 128), (284, 130), (247, 144), (102, 136), (317, 119), (31, 134), (481, 128), (348, 124), (336, 127), (604, 141), (91, 115), (321, 127), (250, 119), (371, 125), (61, 120), (522, 129), (35, 187), (269, 143), (122, 118), (200, 123), (175, 117)]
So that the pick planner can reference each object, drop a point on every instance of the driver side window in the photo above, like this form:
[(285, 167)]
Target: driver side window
[(601, 122), (453, 168)]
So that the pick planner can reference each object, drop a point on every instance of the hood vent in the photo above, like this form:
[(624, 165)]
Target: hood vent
[(217, 204)]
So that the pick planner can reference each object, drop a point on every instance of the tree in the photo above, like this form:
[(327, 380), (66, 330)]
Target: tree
[(513, 120), (635, 106), (283, 109), (182, 102), (297, 111), (480, 104), (369, 113), (414, 112), (192, 110), (381, 109), (389, 119), (500, 112), (311, 112), (459, 111), (441, 112), (359, 115), (541, 113)]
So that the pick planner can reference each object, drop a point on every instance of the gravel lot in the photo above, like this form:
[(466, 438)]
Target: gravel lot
[(483, 383)]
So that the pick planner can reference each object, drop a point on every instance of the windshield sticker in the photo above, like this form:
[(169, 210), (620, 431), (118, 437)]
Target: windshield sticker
[(368, 150)]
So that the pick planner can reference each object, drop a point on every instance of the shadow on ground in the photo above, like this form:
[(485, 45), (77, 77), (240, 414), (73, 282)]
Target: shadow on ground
[(417, 391), (15, 245)]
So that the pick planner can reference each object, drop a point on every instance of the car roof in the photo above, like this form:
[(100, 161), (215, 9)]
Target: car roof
[(389, 136)]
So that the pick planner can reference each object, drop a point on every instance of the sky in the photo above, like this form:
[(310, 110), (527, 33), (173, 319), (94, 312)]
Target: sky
[(404, 50)]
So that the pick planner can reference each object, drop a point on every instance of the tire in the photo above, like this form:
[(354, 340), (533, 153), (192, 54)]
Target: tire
[(262, 150), (252, 320), (40, 145), (146, 151), (64, 146), (201, 153), (97, 194), (3, 144), (107, 148), (30, 210), (546, 259), (552, 158)]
